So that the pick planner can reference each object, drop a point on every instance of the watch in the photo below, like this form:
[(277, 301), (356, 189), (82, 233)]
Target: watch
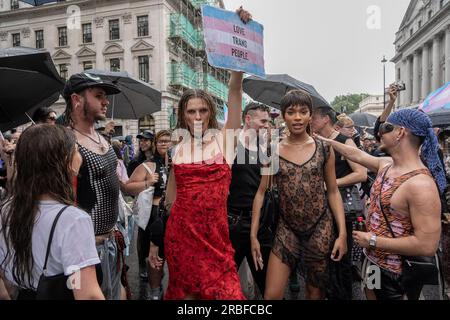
[(373, 242)]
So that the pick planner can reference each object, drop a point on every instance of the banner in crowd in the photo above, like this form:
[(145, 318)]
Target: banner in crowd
[(231, 44)]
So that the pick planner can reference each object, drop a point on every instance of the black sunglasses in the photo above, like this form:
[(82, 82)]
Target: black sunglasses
[(386, 127)]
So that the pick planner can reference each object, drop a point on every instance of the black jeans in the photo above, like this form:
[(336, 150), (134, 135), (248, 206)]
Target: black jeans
[(240, 240), (341, 276), (391, 287)]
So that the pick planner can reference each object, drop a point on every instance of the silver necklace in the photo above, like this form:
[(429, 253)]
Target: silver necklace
[(99, 142)]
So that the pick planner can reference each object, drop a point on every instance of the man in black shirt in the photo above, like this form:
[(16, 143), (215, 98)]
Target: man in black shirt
[(348, 174), (246, 177)]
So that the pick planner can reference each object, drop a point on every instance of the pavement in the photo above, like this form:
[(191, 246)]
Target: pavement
[(250, 290)]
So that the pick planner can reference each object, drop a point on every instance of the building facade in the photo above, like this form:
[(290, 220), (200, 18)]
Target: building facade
[(372, 104), (157, 41), (422, 44)]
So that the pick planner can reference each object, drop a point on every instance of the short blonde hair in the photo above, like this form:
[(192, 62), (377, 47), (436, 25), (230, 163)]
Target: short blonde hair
[(344, 120)]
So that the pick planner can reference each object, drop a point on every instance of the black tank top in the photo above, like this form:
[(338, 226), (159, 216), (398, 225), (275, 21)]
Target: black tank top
[(246, 176), (98, 188), (342, 167), (161, 170)]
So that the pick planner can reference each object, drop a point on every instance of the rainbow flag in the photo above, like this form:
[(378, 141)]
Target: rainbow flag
[(438, 100)]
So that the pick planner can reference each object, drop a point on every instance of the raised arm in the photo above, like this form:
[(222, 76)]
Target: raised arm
[(234, 101), (353, 154), (392, 97)]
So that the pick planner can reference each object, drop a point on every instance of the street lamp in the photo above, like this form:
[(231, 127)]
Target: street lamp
[(384, 81)]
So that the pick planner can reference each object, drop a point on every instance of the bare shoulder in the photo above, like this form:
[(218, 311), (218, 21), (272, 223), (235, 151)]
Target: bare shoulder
[(422, 187)]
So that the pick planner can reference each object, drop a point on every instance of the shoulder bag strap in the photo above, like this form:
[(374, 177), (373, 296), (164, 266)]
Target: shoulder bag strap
[(50, 238), (147, 168), (381, 203)]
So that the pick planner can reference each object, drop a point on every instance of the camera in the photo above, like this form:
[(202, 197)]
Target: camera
[(399, 86)]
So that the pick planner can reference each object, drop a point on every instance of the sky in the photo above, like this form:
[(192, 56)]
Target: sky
[(335, 45)]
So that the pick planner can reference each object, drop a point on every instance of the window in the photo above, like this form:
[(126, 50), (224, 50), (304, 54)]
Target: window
[(87, 32), (62, 35), (142, 23), (40, 39), (143, 68), (411, 32), (14, 4), (114, 64), (63, 71), (114, 31), (16, 39), (87, 65), (420, 24), (430, 14)]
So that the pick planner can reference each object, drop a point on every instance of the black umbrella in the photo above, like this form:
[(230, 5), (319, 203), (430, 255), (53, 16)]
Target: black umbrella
[(30, 59), (270, 90), (440, 118), (136, 100), (22, 92), (38, 2), (363, 119)]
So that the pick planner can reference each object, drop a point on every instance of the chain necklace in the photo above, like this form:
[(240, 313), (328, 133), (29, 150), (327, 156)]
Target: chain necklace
[(99, 142)]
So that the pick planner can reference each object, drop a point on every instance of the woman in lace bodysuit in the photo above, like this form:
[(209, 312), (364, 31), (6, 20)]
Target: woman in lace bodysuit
[(305, 233)]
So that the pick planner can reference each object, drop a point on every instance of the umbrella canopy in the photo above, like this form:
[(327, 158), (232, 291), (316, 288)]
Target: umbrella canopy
[(438, 100), (136, 100), (30, 59), (440, 118), (37, 2), (23, 91), (363, 119), (271, 90)]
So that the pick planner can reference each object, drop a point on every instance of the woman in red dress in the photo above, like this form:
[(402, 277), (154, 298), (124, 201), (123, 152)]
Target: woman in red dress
[(196, 244)]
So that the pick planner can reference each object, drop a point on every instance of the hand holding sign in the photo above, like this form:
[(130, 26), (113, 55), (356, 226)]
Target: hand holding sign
[(233, 40)]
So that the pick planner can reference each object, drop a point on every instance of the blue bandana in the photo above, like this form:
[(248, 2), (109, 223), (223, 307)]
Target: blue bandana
[(420, 125)]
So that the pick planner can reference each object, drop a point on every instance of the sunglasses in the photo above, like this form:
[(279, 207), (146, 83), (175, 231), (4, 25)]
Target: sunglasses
[(385, 128)]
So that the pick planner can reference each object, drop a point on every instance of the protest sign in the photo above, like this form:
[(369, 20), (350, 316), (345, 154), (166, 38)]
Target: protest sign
[(232, 44)]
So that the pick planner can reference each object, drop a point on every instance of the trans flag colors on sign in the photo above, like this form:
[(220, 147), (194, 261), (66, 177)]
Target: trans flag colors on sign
[(231, 44)]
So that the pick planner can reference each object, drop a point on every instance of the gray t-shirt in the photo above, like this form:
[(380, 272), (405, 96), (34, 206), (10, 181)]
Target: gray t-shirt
[(73, 246)]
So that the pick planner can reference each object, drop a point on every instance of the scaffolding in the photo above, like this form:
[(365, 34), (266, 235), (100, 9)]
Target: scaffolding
[(189, 68)]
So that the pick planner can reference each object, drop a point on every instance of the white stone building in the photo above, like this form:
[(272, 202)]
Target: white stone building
[(372, 104), (150, 39), (422, 59)]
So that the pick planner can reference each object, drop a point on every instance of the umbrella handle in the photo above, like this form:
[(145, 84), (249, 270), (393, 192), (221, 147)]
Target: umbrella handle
[(112, 112), (26, 113)]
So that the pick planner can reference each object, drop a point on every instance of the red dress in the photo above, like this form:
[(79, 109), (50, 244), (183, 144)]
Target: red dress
[(197, 245)]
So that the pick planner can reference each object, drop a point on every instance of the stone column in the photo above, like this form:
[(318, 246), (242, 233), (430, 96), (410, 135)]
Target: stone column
[(416, 79), (425, 71), (447, 54), (435, 80), (408, 91)]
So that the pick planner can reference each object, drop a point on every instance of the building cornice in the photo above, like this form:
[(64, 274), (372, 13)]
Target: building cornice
[(50, 8), (440, 16)]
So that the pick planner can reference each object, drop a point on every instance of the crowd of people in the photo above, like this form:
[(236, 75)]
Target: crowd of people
[(200, 193)]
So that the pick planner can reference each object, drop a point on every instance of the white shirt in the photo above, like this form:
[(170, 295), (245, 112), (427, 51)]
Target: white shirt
[(73, 244)]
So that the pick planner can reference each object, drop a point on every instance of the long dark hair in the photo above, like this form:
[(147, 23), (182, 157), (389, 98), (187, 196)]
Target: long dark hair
[(192, 94), (43, 158)]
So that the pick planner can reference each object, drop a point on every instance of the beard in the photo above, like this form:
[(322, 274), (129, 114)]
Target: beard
[(87, 111)]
